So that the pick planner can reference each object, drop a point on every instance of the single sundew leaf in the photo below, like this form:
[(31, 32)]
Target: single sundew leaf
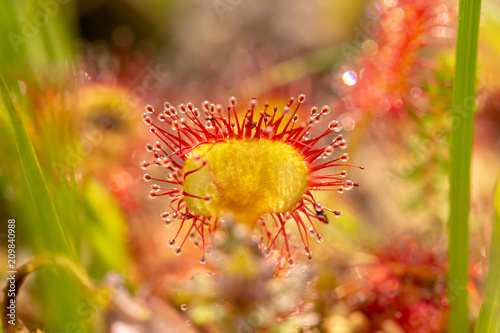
[(260, 169), (489, 318)]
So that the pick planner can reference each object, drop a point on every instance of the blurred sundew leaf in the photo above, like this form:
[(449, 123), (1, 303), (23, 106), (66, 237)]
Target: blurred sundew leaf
[(489, 320), (105, 229)]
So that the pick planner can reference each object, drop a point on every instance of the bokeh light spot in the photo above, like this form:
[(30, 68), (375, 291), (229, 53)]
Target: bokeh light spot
[(350, 78)]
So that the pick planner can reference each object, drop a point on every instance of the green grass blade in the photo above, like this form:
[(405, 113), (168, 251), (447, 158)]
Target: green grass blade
[(58, 239), (489, 318), (460, 160), (57, 290)]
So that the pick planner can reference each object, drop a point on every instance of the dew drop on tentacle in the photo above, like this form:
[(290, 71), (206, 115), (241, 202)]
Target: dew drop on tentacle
[(146, 119), (325, 109), (144, 165), (155, 187), (314, 110), (337, 139), (162, 118), (184, 307), (178, 251), (344, 157), (335, 126), (175, 125), (182, 108), (203, 260), (166, 216), (206, 105), (337, 213), (171, 243), (348, 184), (328, 150), (149, 109)]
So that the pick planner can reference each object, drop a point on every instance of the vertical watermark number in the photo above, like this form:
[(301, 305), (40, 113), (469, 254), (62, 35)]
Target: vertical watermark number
[(11, 272)]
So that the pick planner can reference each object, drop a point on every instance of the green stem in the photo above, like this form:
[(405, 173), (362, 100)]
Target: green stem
[(460, 160)]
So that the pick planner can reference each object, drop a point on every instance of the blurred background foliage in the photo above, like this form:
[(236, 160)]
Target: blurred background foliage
[(75, 78)]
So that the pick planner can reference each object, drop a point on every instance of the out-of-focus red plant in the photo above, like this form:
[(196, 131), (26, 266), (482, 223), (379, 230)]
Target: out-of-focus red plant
[(392, 67)]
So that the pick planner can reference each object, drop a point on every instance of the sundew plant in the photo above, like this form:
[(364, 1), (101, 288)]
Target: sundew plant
[(161, 169)]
